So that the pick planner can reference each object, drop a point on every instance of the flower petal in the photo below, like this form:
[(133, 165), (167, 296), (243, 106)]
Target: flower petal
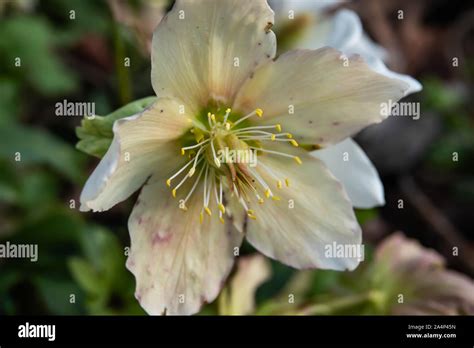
[(239, 297), (345, 21), (421, 273), (313, 213), (178, 263), (378, 66), (320, 96), (141, 144), (205, 49), (298, 6), (351, 166)]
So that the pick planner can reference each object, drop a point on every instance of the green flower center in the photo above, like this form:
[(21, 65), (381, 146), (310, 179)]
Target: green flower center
[(222, 148)]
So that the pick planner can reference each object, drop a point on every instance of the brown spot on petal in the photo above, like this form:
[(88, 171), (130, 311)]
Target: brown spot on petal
[(268, 27)]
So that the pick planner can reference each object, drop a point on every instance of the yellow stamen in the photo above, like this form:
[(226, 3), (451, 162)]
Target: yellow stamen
[(259, 112), (229, 110), (267, 193), (276, 198), (250, 211), (208, 211), (227, 126), (174, 193), (261, 201), (298, 160), (279, 185), (294, 143), (182, 152), (191, 172), (168, 182), (221, 208), (273, 137), (278, 127), (289, 135), (253, 217), (221, 219), (287, 182), (201, 217)]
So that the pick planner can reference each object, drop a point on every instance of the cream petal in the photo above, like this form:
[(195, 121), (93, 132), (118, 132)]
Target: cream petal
[(345, 21), (299, 6), (311, 220), (320, 96), (351, 166), (239, 297), (142, 143), (178, 263), (378, 66), (347, 35), (205, 49)]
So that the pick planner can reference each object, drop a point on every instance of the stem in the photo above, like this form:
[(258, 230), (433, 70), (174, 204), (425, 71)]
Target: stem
[(123, 74), (338, 304)]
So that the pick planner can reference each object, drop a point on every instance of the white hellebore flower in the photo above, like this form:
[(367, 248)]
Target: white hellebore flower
[(342, 30), (220, 87)]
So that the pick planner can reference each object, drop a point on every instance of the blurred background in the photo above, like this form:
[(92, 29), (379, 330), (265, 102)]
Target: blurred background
[(74, 50)]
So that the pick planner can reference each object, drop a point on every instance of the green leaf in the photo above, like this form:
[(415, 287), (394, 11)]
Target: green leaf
[(366, 215), (56, 293), (26, 50), (9, 100), (40, 147), (96, 133), (86, 276)]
